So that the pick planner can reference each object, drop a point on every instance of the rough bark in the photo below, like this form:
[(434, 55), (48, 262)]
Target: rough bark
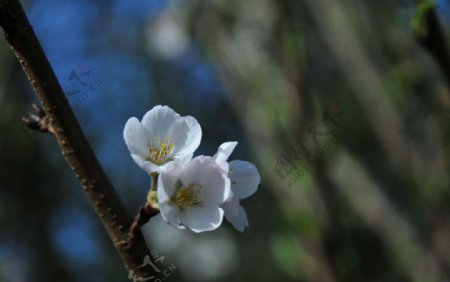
[(71, 140)]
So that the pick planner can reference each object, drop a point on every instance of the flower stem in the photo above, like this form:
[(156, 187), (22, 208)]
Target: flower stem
[(154, 176)]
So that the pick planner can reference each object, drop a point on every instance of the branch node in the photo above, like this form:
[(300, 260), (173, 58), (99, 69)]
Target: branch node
[(38, 120), (146, 212)]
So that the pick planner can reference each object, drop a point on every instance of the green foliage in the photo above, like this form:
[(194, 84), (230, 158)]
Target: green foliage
[(420, 15)]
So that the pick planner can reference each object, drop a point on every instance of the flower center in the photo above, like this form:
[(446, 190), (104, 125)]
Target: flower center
[(160, 155), (187, 196)]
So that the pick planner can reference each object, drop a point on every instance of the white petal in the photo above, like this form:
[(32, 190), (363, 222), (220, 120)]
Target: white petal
[(195, 169), (171, 214), (240, 221), (159, 120), (144, 164), (221, 160), (183, 161), (167, 187), (216, 188), (215, 183), (165, 167), (192, 171), (231, 206), (202, 218), (168, 183), (224, 152), (150, 167), (186, 134), (244, 178), (136, 137)]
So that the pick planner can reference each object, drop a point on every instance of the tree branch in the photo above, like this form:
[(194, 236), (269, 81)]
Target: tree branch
[(66, 130)]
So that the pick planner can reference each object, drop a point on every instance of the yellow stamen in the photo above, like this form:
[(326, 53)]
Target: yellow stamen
[(187, 196), (160, 155)]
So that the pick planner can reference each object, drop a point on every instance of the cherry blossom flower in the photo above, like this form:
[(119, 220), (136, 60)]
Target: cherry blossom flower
[(161, 137), (190, 195), (244, 178)]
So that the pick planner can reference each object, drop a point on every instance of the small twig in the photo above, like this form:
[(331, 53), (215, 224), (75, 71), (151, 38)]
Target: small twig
[(146, 212), (38, 120)]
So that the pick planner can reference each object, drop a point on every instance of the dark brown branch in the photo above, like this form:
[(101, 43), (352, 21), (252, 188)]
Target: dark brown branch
[(74, 146), (430, 34)]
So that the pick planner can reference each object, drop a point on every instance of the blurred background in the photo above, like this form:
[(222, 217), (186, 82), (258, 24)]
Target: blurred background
[(346, 117)]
